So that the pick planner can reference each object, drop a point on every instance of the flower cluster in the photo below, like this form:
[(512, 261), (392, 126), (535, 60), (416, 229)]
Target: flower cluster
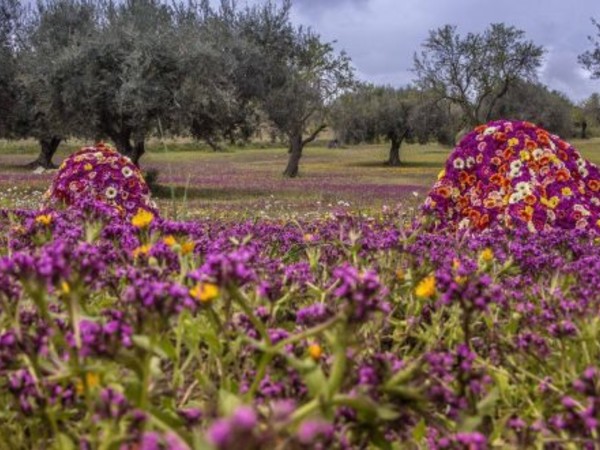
[(100, 174), (515, 175)]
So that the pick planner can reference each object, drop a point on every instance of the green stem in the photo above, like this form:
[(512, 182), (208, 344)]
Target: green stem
[(242, 301), (260, 374), (338, 369), (317, 329)]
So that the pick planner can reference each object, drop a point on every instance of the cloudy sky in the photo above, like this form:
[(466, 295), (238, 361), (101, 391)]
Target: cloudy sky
[(381, 36)]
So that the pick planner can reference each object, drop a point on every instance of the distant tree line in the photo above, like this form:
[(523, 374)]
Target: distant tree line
[(126, 70), (463, 81)]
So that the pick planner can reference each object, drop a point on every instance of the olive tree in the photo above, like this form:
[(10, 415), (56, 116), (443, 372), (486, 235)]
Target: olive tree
[(52, 28), (213, 101), (10, 21), (477, 70), (296, 76), (123, 78), (590, 59), (536, 103), (373, 112)]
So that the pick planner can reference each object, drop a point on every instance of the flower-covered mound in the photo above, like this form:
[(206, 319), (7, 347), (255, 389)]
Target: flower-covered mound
[(100, 174), (515, 175), (336, 332)]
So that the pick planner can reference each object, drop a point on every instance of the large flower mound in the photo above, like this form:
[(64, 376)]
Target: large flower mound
[(100, 174), (515, 175)]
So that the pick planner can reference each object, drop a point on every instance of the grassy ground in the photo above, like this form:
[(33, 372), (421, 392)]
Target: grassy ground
[(248, 181)]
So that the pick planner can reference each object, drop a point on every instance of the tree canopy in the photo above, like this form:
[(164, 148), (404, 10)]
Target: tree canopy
[(477, 70), (590, 59)]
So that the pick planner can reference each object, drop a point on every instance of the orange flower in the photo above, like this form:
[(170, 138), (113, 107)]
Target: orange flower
[(562, 175), (530, 199), (444, 191), (508, 153), (484, 221), (530, 145), (594, 185), (495, 161), (497, 179), (500, 137), (315, 351)]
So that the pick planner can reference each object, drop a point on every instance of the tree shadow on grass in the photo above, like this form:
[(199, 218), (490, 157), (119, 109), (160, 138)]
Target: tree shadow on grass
[(181, 192), (403, 164)]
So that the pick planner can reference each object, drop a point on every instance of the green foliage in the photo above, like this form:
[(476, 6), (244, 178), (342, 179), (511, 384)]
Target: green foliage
[(536, 103)]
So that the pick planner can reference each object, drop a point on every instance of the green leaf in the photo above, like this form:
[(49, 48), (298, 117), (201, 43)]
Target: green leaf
[(486, 405), (63, 442), (228, 402), (316, 381), (144, 342), (419, 431)]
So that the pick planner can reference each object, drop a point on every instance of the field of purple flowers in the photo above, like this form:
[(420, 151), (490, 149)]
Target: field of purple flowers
[(341, 332), (328, 330)]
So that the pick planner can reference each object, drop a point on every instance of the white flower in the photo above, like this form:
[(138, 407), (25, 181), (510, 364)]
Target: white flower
[(515, 198), (110, 192), (581, 209), (514, 173), (583, 172), (580, 163), (516, 164), (470, 162), (537, 153), (490, 130), (463, 223), (523, 187), (459, 163), (126, 171)]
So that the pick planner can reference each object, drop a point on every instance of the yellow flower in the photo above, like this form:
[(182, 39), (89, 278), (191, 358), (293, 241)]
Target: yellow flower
[(88, 167), (44, 219), (460, 280), (566, 191), (456, 263), (205, 292), (142, 250), (512, 142), (442, 174), (315, 351), (426, 288), (487, 254), (525, 155), (142, 218), (551, 202), (400, 275), (92, 380), (187, 247), (170, 240), (65, 288)]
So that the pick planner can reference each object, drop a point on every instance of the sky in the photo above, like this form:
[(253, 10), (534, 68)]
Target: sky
[(381, 36)]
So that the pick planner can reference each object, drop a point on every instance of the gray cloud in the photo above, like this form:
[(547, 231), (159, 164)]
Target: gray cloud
[(381, 36)]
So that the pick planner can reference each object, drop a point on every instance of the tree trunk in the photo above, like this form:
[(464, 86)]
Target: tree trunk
[(583, 129), (123, 144), (138, 151), (394, 158), (48, 148), (125, 147), (295, 152)]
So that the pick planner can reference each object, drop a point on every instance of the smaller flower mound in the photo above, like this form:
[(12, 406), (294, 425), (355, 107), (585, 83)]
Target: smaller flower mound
[(100, 174)]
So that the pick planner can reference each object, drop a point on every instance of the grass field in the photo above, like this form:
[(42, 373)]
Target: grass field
[(248, 181)]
